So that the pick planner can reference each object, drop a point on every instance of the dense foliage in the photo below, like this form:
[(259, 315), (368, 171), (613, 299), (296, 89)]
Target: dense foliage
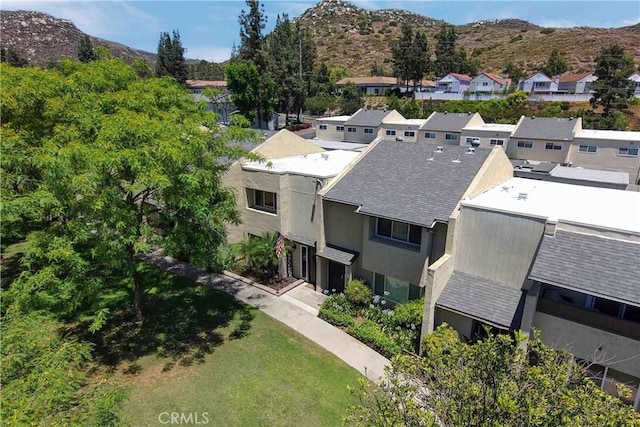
[(350, 99), (498, 381), (86, 53), (388, 330), (98, 167), (170, 60), (410, 56)]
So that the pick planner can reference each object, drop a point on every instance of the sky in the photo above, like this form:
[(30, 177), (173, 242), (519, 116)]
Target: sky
[(208, 29)]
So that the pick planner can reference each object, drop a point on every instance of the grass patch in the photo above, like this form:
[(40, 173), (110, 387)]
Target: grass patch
[(272, 376)]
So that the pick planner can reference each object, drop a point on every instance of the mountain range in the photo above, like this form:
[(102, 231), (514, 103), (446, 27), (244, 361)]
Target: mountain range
[(354, 38)]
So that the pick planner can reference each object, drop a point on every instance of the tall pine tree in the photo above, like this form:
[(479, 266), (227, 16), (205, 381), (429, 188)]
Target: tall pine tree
[(170, 60), (613, 88), (85, 50)]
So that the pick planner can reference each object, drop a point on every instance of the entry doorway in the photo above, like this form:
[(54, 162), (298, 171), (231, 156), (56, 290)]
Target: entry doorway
[(336, 277), (304, 262)]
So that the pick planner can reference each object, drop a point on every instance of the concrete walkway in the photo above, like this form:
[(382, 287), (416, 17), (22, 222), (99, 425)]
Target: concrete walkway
[(289, 310)]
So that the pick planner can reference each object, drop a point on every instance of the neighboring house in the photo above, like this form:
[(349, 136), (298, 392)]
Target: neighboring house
[(386, 217), (197, 86), (364, 125), (607, 150), (553, 172), (488, 83), (560, 258), (331, 128), (453, 83), (487, 135), (576, 83), (635, 77), (542, 138), (401, 130), (538, 83), (421, 86), (376, 86), (445, 128)]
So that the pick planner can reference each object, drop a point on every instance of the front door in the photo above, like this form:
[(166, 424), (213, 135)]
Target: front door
[(336, 277), (304, 262)]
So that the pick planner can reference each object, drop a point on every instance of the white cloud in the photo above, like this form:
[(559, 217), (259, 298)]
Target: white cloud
[(209, 53), (557, 23)]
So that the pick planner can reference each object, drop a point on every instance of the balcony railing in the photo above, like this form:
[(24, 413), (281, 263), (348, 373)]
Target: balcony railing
[(590, 318)]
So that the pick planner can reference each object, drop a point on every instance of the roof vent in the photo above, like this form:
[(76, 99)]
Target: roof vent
[(506, 187), (456, 160), (399, 139), (471, 150), (570, 118), (523, 196), (445, 111), (533, 117), (439, 149), (468, 113), (325, 156), (431, 157)]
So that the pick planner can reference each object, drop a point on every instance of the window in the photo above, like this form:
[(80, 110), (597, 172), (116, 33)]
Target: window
[(525, 144), (323, 127), (368, 130), (352, 130), (409, 133), (395, 290), (400, 231), (430, 135), (628, 151), (263, 200), (339, 128), (485, 83), (552, 146), (587, 148), (391, 133), (496, 141), (450, 136)]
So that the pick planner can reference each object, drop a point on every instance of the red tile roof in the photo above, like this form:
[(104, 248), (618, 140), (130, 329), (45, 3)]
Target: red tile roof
[(379, 80), (206, 83), (565, 78), (461, 76)]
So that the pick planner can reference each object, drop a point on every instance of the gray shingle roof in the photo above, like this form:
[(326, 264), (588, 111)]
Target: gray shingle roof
[(333, 253), (490, 302), (396, 180), (554, 129), (305, 240), (594, 265), (447, 122), (364, 117)]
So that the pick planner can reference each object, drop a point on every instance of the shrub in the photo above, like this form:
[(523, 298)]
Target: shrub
[(372, 334), (357, 292), (516, 38), (393, 23), (547, 30), (337, 311), (408, 313)]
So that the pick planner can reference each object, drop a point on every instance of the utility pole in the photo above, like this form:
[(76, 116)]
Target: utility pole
[(301, 82)]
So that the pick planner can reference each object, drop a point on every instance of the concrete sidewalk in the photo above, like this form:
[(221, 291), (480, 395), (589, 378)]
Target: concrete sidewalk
[(288, 310)]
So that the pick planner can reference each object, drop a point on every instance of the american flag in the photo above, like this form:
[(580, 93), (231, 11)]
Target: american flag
[(279, 246)]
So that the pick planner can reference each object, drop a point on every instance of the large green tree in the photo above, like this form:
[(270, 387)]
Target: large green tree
[(497, 381), (11, 56), (108, 166), (556, 63), (253, 50), (613, 89), (204, 70), (85, 50), (450, 59), (401, 54), (515, 73), (170, 60), (350, 99)]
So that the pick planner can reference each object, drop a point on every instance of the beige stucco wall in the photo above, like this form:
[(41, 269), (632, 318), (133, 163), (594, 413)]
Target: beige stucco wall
[(359, 136), (485, 136), (330, 133), (233, 180), (434, 279), (303, 216), (440, 137), (606, 157), (538, 151), (463, 325), (400, 129), (256, 221), (285, 144), (617, 352), (396, 259)]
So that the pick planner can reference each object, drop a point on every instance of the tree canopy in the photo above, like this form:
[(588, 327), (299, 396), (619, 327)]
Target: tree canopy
[(556, 64), (170, 60), (350, 99), (497, 381), (613, 88), (100, 166), (86, 53)]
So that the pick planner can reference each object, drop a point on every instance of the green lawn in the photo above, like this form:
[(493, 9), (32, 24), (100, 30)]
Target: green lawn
[(202, 351)]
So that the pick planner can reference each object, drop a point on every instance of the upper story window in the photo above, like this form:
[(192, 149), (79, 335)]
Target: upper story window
[(450, 136), (628, 151), (263, 200), (552, 146), (368, 130), (430, 135), (322, 127), (587, 148), (485, 83), (352, 130), (525, 144), (339, 128), (391, 132), (409, 133), (496, 142), (400, 231)]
